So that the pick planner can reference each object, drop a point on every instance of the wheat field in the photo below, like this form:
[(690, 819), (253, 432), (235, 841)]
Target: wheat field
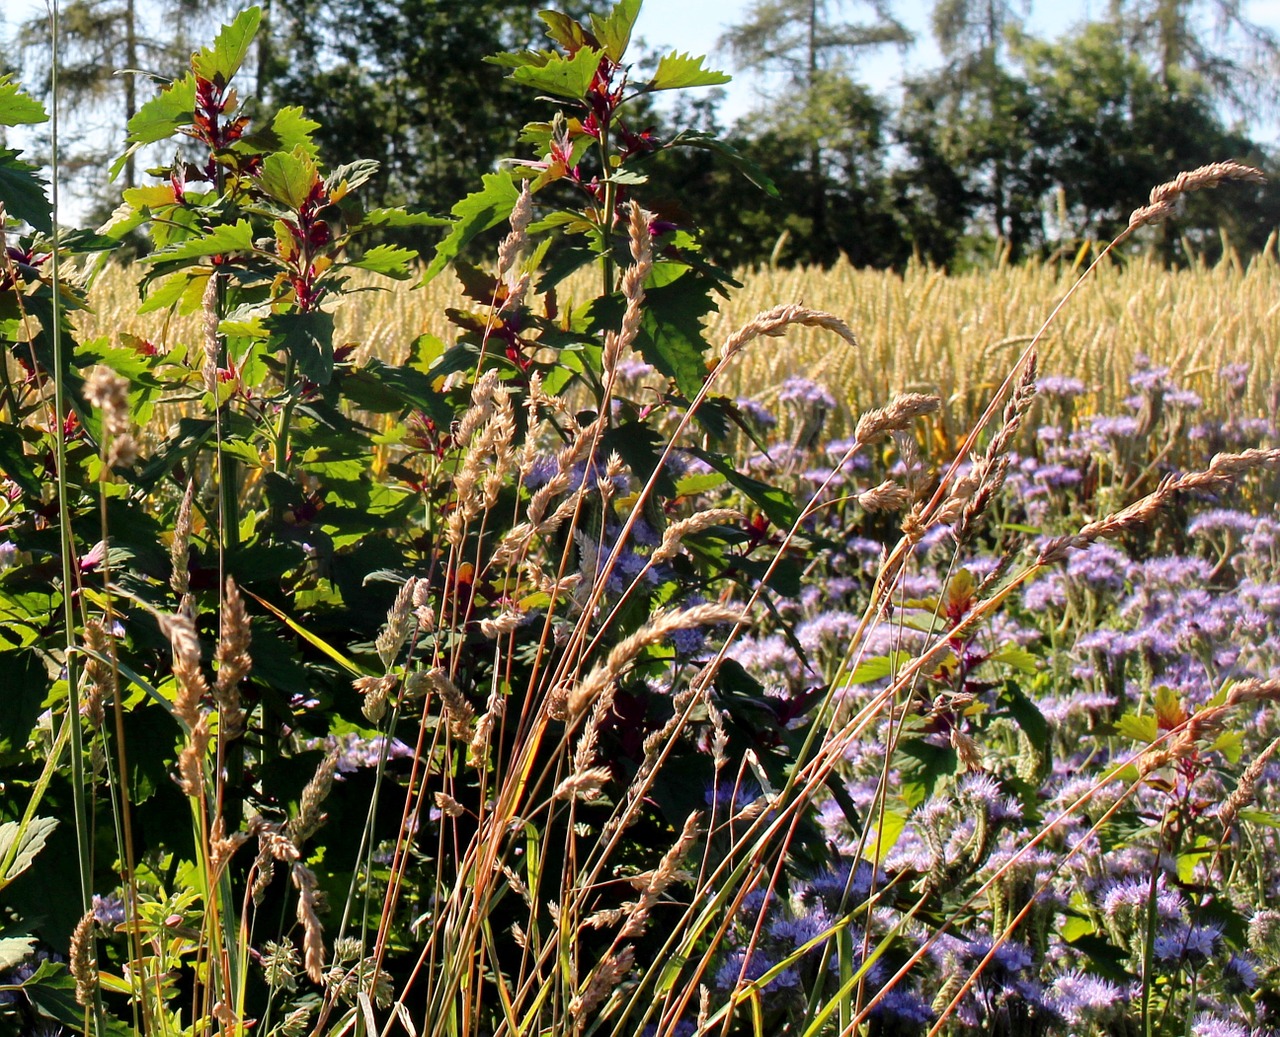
[(924, 329)]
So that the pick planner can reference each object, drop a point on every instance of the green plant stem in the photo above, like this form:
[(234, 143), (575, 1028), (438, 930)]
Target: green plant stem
[(286, 413)]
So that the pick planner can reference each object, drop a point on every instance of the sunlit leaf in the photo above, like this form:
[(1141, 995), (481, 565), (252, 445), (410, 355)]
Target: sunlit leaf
[(679, 70), (561, 76), (22, 192), (475, 213), (289, 177), (20, 846), (230, 47), (614, 30), (18, 108)]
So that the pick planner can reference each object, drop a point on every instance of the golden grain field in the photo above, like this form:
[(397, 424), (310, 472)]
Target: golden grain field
[(925, 329)]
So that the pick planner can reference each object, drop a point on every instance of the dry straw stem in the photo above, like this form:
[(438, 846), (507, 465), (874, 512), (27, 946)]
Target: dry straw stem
[(310, 817), (616, 345), (179, 577), (304, 880), (234, 661), (677, 531), (902, 410), (1160, 205)]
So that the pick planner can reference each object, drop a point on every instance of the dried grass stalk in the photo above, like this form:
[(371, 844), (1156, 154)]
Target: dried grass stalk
[(1160, 205), (234, 661), (677, 531), (304, 880), (775, 321), (84, 964), (310, 816)]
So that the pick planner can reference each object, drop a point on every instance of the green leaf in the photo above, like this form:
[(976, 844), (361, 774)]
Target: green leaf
[(308, 338), (401, 218), (22, 192), (23, 845), (289, 176), (640, 446), (15, 463), (389, 260), (53, 993), (230, 47), (290, 129), (171, 109), (614, 31), (777, 505), (566, 31), (14, 948), (744, 165), (884, 835), (230, 237), (18, 108), (1139, 728), (677, 70), (1019, 658), (561, 76), (475, 213), (877, 668)]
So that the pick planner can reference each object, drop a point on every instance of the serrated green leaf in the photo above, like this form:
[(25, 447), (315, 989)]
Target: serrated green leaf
[(22, 192), (290, 128), (171, 109), (388, 260), (1139, 728), (678, 70), (884, 835), (230, 237), (289, 177), (1259, 817), (18, 108), (475, 213), (520, 58), (20, 847), (308, 338), (566, 31), (1230, 744), (562, 76), (614, 31), (223, 59)]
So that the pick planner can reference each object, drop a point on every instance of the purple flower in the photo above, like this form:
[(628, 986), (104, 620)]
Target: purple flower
[(1079, 997), (1208, 1025), (756, 413), (108, 910), (807, 394), (1060, 385)]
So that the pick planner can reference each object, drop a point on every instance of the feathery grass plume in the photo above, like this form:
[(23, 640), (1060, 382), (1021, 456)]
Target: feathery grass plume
[(99, 673), (1223, 470), (222, 847), (179, 576), (677, 531), (662, 876), (374, 692), (109, 393), (399, 624), (1242, 795), (457, 710), (618, 343), (604, 978), (310, 817), (775, 321), (1160, 204), (659, 626), (449, 806), (273, 845), (511, 246), (192, 689), (887, 496), (234, 661), (901, 411), (209, 310), (584, 784), (304, 880), (84, 961)]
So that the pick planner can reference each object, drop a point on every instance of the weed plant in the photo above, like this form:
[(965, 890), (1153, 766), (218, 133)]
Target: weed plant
[(537, 683)]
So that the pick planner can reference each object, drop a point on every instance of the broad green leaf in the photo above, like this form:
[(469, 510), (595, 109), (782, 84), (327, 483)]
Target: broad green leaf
[(22, 192), (566, 31), (290, 129), (614, 30), (389, 260), (1019, 658), (348, 176), (20, 847), (231, 237), (171, 109), (14, 948), (1169, 710), (776, 504), (308, 338), (18, 108), (53, 993), (677, 70), (561, 76), (230, 47), (1025, 714), (289, 177), (744, 165), (877, 668), (1259, 817), (1230, 744), (475, 213), (1139, 728), (401, 218), (884, 835)]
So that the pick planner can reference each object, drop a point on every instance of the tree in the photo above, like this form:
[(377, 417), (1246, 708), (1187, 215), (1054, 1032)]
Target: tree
[(821, 110)]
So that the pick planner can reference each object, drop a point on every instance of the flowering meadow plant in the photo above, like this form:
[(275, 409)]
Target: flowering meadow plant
[(538, 685)]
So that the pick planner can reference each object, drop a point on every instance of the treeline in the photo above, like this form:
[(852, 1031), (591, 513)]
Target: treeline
[(1014, 145)]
